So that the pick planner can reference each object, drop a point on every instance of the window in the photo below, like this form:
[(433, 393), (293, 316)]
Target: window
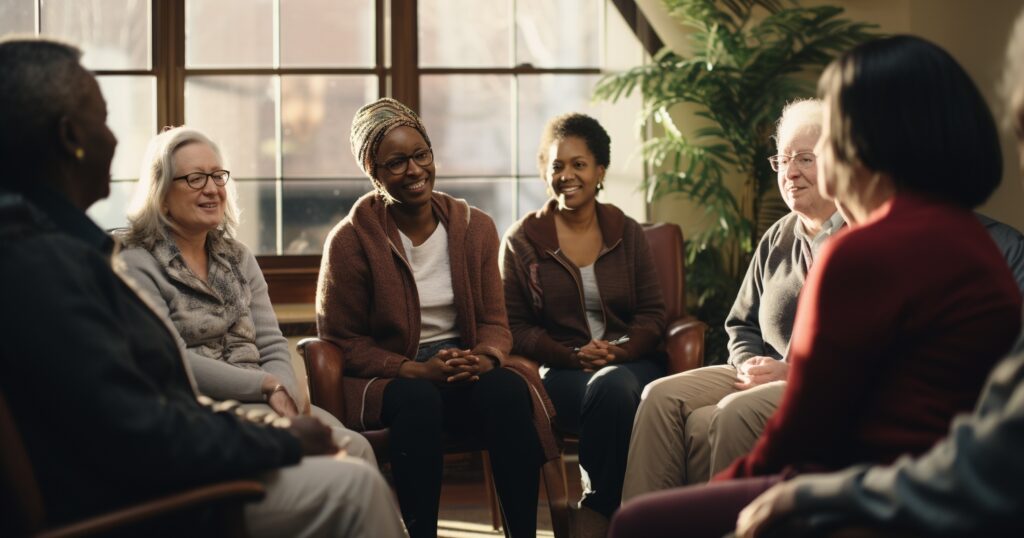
[(276, 82)]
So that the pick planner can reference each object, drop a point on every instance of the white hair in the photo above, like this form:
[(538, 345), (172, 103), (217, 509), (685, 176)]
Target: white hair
[(146, 219), (1012, 85), (802, 115)]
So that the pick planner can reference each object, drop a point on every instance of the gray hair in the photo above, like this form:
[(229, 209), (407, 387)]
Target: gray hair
[(1012, 85), (146, 220), (802, 115), (42, 80)]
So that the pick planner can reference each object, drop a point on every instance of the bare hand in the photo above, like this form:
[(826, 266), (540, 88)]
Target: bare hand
[(466, 366), (314, 436), (282, 404), (767, 508), (595, 355), (760, 370), (433, 369)]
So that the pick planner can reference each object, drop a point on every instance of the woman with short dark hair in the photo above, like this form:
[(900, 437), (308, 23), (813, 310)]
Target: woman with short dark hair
[(584, 302), (904, 314)]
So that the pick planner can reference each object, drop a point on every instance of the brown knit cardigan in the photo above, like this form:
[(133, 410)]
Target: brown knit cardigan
[(367, 303), (544, 291)]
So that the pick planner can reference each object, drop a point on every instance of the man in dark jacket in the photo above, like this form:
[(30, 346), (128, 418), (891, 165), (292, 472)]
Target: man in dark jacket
[(94, 379)]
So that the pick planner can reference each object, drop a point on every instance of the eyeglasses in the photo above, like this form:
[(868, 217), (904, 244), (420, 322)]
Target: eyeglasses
[(399, 165), (804, 161), (197, 180)]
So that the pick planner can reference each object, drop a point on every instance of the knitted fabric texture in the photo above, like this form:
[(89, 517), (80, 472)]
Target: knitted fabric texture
[(372, 123)]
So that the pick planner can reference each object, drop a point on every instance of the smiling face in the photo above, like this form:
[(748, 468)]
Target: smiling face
[(195, 211), (799, 184), (572, 173), (414, 186)]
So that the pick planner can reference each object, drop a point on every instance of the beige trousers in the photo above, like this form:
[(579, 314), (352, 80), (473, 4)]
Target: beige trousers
[(692, 425), (357, 445), (325, 496)]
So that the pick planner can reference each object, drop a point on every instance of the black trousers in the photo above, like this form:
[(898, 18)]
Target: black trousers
[(599, 407), (498, 410)]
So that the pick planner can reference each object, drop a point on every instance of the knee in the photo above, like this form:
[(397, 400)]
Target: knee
[(358, 446), (614, 386), (414, 402), (502, 388)]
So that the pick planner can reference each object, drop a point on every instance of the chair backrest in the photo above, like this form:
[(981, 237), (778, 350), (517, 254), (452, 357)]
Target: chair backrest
[(21, 504), (666, 243)]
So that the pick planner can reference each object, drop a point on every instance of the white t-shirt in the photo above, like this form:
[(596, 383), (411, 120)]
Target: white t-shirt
[(592, 300), (433, 274)]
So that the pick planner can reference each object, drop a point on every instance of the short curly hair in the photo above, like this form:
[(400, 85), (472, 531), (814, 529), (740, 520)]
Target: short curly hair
[(578, 125)]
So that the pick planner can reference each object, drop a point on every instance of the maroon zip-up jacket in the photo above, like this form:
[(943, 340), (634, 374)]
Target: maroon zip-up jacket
[(544, 292)]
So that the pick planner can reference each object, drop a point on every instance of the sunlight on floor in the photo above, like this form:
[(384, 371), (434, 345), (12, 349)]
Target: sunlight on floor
[(461, 529)]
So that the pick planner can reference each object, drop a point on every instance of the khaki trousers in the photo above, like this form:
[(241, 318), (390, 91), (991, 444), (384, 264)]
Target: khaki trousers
[(692, 425), (325, 496)]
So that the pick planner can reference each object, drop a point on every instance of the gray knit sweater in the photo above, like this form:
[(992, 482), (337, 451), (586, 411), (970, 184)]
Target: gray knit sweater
[(227, 324), (761, 319)]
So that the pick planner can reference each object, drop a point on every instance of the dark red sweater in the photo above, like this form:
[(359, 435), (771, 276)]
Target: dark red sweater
[(898, 325)]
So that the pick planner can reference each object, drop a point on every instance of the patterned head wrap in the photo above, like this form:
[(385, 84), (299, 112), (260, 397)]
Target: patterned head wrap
[(372, 123)]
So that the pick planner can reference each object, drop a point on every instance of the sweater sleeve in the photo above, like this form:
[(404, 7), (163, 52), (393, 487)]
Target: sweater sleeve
[(528, 335), (742, 324), (493, 335), (95, 385), (217, 379), (834, 358), (967, 484), (648, 324), (343, 300), (275, 358)]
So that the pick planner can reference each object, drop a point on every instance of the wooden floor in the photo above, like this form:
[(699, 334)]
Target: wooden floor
[(465, 512)]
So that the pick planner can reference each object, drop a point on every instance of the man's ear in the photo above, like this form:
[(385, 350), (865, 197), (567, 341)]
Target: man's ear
[(70, 137)]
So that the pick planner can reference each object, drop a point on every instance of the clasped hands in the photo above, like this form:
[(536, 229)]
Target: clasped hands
[(453, 366), (760, 370), (597, 354)]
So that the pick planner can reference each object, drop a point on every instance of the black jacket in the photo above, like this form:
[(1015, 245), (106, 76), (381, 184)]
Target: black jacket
[(96, 383)]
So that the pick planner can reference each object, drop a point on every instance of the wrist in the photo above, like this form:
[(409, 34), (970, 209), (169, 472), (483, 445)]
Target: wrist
[(268, 394)]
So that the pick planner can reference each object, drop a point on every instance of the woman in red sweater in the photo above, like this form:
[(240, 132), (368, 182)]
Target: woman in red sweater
[(904, 314)]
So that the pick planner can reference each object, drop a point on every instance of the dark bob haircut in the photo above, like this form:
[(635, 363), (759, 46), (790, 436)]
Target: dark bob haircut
[(578, 125), (903, 106)]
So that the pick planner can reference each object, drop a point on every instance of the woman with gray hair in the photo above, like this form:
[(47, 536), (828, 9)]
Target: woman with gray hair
[(692, 425), (410, 291), (180, 249)]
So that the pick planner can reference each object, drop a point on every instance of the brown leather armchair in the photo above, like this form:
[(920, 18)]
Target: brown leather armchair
[(22, 512)]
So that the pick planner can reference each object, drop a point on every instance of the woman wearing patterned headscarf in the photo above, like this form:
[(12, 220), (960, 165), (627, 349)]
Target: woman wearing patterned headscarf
[(410, 291)]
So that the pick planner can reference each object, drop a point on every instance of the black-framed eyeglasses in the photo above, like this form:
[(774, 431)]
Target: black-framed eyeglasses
[(804, 160), (197, 180), (399, 165)]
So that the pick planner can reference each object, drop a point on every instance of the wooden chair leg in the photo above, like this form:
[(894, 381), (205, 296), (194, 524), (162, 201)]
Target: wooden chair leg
[(492, 495), (556, 486)]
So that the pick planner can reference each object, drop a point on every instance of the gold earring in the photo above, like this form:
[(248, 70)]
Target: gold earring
[(79, 153)]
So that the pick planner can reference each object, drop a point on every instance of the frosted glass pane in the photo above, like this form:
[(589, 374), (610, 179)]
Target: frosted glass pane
[(113, 34), (131, 115), (465, 33), (229, 33), (327, 33), (237, 112), (469, 120), (565, 33)]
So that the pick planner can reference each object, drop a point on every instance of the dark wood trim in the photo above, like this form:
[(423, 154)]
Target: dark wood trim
[(522, 69), (405, 84), (641, 26), (286, 71), (290, 279)]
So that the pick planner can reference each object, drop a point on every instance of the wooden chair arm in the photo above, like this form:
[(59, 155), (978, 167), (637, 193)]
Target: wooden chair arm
[(238, 491), (325, 366), (684, 343)]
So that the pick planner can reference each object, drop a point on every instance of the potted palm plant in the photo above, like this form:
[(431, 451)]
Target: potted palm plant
[(748, 58)]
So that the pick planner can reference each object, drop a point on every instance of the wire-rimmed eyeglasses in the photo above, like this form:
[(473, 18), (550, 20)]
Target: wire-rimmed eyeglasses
[(804, 160), (399, 165), (197, 180)]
